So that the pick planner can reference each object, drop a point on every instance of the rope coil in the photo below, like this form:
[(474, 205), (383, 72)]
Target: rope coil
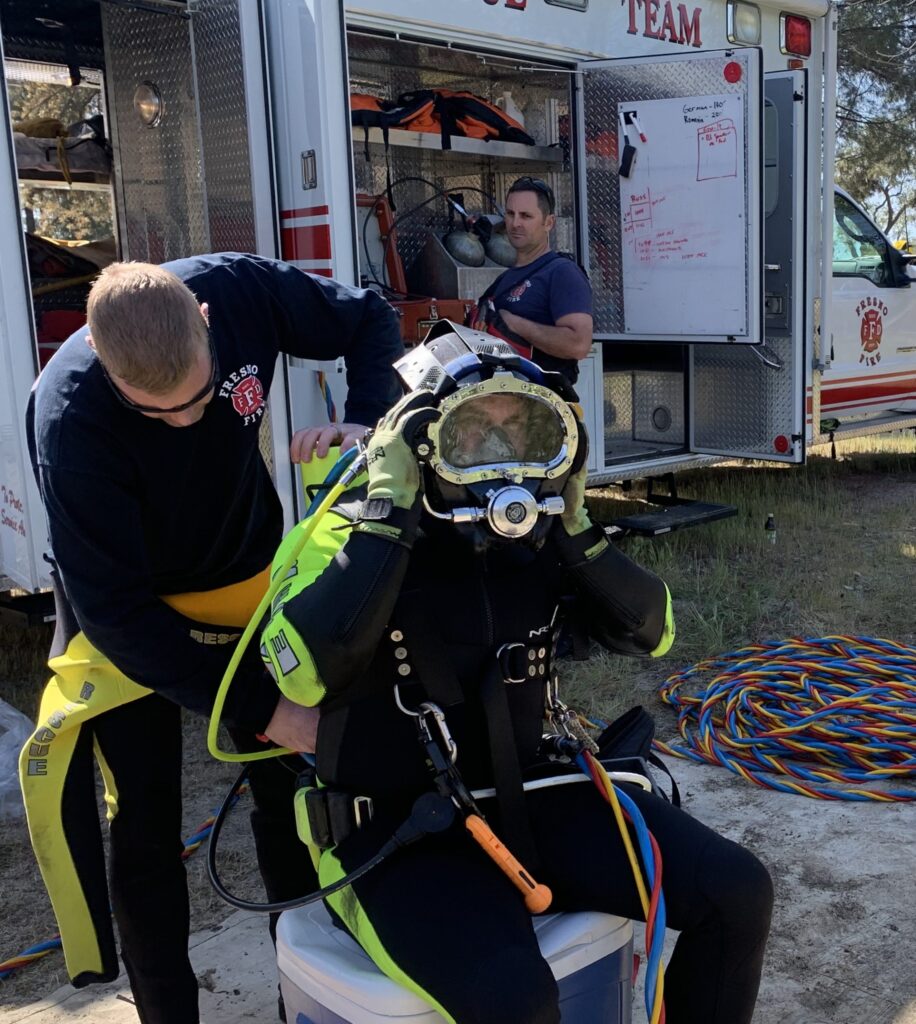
[(815, 716)]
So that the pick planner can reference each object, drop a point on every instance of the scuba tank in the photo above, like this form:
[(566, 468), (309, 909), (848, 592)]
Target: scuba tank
[(499, 249), (465, 247), (491, 230), (461, 243)]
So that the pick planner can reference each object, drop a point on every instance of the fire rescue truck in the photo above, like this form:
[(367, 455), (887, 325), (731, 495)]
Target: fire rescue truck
[(739, 311)]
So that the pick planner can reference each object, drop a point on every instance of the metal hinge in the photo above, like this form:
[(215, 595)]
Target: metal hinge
[(309, 169)]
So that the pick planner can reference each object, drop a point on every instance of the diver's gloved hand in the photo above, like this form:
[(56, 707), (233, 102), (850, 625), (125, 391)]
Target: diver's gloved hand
[(577, 537), (393, 501), (574, 518)]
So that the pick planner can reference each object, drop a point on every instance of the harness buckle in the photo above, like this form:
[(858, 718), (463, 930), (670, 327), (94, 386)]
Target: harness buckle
[(504, 657)]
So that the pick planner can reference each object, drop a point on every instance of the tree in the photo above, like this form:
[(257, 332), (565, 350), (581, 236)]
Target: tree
[(54, 212), (876, 106)]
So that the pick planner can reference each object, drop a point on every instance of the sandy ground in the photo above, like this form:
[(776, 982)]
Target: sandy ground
[(841, 949)]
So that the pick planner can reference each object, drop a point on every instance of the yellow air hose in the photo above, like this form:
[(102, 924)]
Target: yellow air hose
[(306, 528)]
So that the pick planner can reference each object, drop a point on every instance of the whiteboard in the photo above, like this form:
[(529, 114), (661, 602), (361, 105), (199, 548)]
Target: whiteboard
[(684, 221)]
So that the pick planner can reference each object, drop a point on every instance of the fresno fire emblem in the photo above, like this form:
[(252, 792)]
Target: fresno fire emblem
[(246, 392), (247, 396), (871, 312), (518, 291)]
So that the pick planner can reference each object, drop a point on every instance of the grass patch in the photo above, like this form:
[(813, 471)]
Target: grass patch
[(24, 665), (843, 561)]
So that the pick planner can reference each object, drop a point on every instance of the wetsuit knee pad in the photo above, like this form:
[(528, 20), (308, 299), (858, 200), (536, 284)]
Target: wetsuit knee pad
[(738, 884), (514, 985)]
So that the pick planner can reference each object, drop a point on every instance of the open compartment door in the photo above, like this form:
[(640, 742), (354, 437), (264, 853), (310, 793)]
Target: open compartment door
[(750, 402), (23, 536), (670, 166), (195, 174)]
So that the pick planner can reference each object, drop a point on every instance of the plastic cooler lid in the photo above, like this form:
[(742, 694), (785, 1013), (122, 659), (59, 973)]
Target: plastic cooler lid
[(318, 957)]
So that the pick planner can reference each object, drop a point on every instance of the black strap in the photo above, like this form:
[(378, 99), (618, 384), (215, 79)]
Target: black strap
[(657, 762), (492, 288), (425, 648), (515, 830)]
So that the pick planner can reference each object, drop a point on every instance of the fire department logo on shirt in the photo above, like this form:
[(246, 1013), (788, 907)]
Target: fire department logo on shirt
[(871, 312), (246, 392), (518, 291)]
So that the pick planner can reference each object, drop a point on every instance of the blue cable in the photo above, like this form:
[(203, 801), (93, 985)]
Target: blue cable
[(648, 858)]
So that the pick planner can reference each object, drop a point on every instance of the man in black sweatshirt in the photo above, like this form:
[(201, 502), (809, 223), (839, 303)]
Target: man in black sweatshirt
[(163, 519)]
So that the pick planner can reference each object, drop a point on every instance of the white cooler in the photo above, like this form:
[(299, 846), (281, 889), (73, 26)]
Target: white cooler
[(326, 978)]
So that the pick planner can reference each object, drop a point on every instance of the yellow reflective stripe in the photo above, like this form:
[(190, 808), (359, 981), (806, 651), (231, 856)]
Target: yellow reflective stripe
[(111, 786), (595, 549), (85, 684), (283, 650), (668, 633), (351, 912)]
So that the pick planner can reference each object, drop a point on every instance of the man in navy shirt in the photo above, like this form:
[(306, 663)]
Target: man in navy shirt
[(543, 305), (163, 520)]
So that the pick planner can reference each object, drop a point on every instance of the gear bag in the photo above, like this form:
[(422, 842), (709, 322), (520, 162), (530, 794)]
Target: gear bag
[(437, 110), (630, 737)]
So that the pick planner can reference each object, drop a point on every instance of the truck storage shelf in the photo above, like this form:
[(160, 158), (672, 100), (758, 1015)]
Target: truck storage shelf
[(81, 181), (461, 144)]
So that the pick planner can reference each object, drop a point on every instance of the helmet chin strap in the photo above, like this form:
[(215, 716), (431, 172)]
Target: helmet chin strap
[(510, 511)]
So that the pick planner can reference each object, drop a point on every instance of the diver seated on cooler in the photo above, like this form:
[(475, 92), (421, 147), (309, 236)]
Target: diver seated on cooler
[(419, 620)]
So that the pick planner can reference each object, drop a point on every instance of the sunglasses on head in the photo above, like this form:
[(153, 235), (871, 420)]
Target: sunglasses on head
[(155, 409), (527, 184)]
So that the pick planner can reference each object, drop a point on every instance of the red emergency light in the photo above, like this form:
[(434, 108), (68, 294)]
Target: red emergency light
[(795, 35)]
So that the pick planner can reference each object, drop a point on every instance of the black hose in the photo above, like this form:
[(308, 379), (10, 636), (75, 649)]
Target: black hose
[(430, 813)]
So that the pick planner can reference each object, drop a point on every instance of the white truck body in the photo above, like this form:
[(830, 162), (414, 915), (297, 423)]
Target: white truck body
[(720, 330)]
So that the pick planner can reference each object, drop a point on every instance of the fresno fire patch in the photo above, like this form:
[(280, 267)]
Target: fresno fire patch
[(245, 391), (871, 312)]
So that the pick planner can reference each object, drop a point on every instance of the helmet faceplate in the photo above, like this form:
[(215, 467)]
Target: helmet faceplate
[(498, 457)]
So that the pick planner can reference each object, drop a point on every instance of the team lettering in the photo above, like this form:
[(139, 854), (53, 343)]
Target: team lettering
[(659, 22), (673, 23)]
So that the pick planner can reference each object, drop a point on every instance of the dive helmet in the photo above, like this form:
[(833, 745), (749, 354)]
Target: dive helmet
[(496, 460)]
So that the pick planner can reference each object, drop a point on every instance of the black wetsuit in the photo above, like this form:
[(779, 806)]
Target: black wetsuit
[(138, 510), (439, 916)]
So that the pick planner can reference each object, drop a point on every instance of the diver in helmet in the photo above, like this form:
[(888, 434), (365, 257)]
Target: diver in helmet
[(419, 620)]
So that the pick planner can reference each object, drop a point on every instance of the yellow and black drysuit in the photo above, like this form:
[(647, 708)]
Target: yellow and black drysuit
[(438, 916), (137, 510)]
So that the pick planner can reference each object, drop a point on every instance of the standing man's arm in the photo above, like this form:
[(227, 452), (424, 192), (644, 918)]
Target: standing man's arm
[(319, 318), (569, 338), (569, 335), (96, 532)]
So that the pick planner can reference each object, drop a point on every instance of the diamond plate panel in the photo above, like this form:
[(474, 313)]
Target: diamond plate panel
[(160, 175), (741, 404), (223, 125), (658, 407), (603, 89), (618, 408), (386, 68)]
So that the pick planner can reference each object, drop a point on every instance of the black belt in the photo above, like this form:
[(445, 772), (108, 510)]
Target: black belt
[(334, 815)]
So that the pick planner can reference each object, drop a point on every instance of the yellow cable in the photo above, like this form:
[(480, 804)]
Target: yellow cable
[(625, 834), (307, 526), (637, 876)]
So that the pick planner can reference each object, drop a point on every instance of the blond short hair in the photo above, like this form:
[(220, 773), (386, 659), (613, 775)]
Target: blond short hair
[(146, 326)]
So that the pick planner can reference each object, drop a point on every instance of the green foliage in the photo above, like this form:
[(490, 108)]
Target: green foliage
[(55, 212), (876, 105), (843, 561), (72, 215), (30, 100)]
